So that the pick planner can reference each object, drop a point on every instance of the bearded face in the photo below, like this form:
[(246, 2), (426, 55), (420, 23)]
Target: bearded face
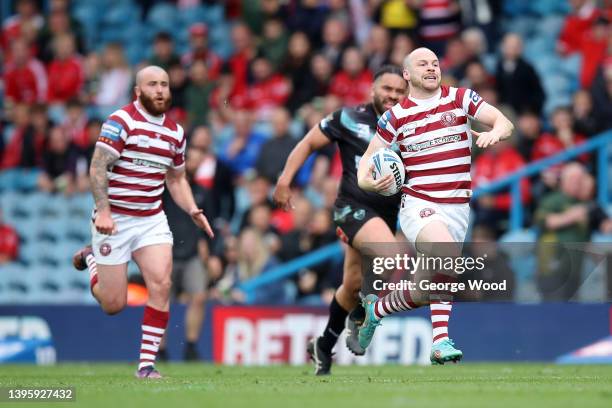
[(389, 89), (157, 103)]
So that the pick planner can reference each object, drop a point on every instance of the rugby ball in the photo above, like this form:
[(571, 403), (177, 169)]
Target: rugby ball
[(386, 161)]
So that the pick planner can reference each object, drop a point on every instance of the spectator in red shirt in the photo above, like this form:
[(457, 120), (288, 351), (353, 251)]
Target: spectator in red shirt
[(493, 164), (9, 242), (26, 23), (594, 48), (244, 53), (65, 71), (577, 23), (269, 89), (198, 42), (562, 138), (354, 83), (25, 78)]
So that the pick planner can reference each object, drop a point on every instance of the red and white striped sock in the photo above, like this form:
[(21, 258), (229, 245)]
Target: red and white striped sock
[(92, 267), (154, 325), (440, 313), (394, 302)]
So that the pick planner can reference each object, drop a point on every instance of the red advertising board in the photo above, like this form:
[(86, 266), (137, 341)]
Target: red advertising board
[(272, 335)]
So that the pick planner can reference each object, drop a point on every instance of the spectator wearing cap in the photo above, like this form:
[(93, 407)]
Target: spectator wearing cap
[(163, 51), (198, 42)]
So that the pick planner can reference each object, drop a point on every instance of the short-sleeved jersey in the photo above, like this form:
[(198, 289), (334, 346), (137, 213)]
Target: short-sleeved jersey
[(352, 129), (146, 146), (435, 142)]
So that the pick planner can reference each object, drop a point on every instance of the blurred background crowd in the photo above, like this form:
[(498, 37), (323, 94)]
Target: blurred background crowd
[(248, 79)]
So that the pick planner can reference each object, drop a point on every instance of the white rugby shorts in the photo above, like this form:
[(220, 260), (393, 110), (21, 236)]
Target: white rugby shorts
[(416, 213), (132, 233)]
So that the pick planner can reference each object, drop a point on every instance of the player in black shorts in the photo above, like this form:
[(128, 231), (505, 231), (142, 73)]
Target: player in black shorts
[(361, 217)]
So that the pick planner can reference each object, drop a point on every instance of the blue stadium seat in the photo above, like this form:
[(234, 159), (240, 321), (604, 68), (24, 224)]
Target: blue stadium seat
[(28, 229), (163, 16), (191, 15)]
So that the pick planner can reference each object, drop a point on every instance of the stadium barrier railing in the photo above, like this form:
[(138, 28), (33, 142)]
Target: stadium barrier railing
[(598, 143)]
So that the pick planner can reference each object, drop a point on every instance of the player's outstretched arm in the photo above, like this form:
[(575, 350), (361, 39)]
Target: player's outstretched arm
[(100, 162), (364, 171), (181, 193), (501, 127), (314, 140)]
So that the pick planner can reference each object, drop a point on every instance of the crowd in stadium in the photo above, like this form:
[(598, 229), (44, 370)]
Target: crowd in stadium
[(280, 69)]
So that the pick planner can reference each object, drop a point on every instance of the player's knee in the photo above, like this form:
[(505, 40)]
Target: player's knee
[(114, 306), (160, 287)]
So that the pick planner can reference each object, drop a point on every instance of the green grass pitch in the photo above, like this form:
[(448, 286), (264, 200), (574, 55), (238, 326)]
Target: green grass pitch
[(205, 385)]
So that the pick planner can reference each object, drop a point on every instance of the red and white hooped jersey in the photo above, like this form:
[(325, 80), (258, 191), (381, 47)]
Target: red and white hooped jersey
[(435, 143), (146, 146)]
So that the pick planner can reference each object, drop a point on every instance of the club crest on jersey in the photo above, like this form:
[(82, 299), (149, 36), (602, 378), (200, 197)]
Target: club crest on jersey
[(427, 212), (448, 118), (105, 249)]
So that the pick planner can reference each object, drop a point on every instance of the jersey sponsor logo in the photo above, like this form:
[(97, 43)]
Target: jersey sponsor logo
[(428, 144), (105, 249), (147, 163), (448, 118), (474, 97), (426, 212), (111, 130), (384, 119)]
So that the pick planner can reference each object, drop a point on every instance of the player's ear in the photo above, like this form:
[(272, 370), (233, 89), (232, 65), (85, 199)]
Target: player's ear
[(406, 74)]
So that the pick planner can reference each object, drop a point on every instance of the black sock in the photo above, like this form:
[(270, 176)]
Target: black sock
[(334, 327)]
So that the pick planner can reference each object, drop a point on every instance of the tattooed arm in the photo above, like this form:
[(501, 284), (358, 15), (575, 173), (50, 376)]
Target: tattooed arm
[(102, 159)]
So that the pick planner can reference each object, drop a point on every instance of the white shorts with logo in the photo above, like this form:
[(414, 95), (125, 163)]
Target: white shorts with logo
[(416, 213), (132, 233)]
